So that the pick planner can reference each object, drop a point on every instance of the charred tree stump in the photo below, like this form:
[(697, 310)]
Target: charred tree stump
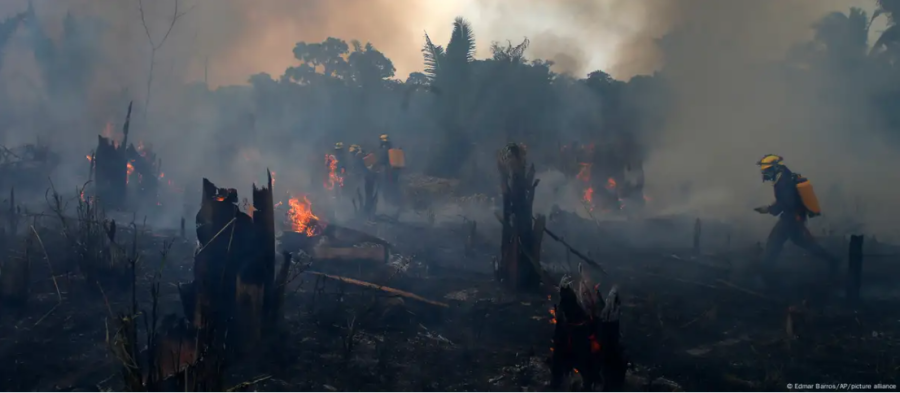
[(110, 164), (518, 265), (854, 268), (225, 235), (586, 338), (234, 269)]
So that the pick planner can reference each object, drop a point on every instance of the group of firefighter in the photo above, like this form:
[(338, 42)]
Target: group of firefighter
[(382, 166)]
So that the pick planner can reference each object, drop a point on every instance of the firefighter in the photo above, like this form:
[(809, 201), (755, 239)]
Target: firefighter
[(794, 203), (341, 157), (355, 162), (391, 168)]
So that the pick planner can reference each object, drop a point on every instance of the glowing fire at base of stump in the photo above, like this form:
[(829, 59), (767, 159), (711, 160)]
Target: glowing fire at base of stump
[(586, 337)]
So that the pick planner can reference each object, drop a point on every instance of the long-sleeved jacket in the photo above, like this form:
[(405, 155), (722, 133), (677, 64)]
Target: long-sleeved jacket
[(788, 204)]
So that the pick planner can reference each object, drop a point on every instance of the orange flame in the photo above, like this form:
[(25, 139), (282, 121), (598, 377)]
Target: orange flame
[(584, 174), (610, 184), (553, 316), (335, 178), (130, 171), (302, 218)]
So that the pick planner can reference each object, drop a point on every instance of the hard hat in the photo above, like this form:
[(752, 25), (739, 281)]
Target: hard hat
[(339, 145), (354, 148), (769, 161), (384, 137)]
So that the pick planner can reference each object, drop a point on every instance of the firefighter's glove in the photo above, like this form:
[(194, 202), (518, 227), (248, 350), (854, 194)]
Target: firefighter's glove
[(762, 209)]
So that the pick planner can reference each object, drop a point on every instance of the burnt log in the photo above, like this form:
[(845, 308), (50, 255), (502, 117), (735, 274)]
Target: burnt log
[(518, 266)]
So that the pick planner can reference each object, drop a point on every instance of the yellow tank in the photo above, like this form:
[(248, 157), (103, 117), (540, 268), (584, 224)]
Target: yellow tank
[(398, 160), (370, 159), (808, 196)]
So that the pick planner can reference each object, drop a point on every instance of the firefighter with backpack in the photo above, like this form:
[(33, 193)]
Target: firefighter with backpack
[(795, 202), (392, 162)]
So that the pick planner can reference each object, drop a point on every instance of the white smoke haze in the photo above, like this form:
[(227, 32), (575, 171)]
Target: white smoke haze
[(731, 109)]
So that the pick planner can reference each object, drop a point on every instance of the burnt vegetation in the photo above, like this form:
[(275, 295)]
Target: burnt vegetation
[(277, 294)]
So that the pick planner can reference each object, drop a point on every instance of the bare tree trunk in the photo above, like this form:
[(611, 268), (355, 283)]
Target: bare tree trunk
[(520, 249)]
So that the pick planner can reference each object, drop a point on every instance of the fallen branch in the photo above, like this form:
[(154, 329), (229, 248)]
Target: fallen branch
[(380, 288), (744, 290), (569, 247), (247, 384)]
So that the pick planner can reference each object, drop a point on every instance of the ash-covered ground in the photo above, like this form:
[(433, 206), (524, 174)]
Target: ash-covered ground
[(690, 321)]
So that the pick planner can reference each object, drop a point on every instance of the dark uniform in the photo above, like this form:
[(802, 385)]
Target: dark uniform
[(391, 175), (792, 215)]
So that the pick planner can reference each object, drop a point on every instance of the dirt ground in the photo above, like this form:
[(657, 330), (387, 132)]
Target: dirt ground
[(689, 322)]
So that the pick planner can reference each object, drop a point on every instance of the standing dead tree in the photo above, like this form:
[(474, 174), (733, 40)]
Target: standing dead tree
[(155, 46), (520, 249)]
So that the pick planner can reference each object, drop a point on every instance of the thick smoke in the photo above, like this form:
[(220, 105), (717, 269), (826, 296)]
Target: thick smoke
[(732, 104)]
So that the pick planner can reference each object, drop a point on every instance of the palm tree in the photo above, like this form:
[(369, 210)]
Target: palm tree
[(891, 35), (449, 71)]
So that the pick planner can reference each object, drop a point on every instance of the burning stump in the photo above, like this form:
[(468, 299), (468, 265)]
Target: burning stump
[(234, 268), (521, 239), (586, 337)]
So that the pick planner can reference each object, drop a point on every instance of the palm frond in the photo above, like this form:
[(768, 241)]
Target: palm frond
[(462, 41), (433, 55), (890, 36)]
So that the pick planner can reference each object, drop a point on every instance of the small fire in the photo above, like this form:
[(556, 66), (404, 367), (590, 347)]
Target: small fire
[(302, 218), (130, 171), (588, 196), (610, 184), (335, 177), (584, 174), (553, 316)]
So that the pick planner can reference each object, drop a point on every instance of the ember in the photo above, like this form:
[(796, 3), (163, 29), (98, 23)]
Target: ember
[(302, 218)]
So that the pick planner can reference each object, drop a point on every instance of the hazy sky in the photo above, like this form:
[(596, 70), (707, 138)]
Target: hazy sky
[(243, 37)]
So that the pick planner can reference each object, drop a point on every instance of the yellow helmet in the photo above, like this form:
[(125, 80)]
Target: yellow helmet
[(769, 161), (770, 166), (354, 148), (339, 145), (384, 137)]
